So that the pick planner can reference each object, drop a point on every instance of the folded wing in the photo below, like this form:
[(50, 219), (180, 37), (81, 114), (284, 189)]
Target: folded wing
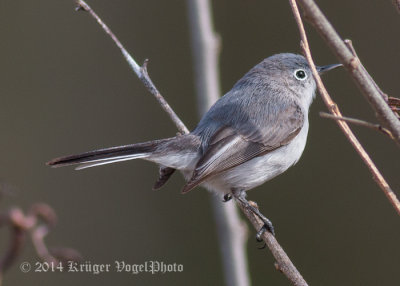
[(231, 146)]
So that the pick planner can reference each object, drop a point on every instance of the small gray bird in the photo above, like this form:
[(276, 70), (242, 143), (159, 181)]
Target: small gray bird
[(250, 135)]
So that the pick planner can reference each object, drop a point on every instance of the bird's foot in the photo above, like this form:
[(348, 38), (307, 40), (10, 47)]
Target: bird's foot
[(266, 227), (241, 197)]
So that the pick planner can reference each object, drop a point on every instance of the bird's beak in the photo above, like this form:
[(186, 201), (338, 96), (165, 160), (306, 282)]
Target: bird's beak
[(324, 69)]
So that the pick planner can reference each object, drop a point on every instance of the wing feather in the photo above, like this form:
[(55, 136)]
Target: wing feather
[(229, 148)]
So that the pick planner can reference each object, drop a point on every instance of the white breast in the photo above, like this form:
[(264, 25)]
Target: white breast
[(261, 169)]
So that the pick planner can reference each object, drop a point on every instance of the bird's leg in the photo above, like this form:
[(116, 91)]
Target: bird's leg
[(241, 197), (227, 197)]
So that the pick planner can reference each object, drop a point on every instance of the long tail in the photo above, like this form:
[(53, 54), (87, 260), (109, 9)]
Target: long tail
[(108, 155), (162, 151)]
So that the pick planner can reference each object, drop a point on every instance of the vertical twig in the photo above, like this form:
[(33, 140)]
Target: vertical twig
[(231, 229), (334, 109)]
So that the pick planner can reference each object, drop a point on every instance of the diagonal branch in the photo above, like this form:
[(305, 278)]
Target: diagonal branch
[(141, 72), (334, 109), (353, 65), (283, 261), (393, 102), (349, 45)]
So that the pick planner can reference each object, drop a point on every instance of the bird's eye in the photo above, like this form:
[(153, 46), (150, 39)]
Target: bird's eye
[(300, 74)]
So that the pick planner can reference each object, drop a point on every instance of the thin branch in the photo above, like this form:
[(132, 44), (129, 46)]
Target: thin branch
[(36, 225), (14, 220), (38, 235), (285, 265), (350, 46), (232, 231), (333, 108), (39, 232), (368, 88), (394, 104), (359, 122), (141, 72)]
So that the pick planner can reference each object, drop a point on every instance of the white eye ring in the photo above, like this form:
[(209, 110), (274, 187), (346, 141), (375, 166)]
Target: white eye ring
[(300, 74)]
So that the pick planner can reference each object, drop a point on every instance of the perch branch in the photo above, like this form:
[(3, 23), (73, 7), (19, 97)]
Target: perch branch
[(283, 262), (285, 265), (353, 65), (141, 72), (334, 109), (359, 122), (232, 231)]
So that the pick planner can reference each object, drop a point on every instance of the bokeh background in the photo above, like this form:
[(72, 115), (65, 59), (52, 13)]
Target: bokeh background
[(65, 89)]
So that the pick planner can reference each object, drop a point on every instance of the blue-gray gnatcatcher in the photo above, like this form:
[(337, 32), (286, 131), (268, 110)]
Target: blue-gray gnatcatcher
[(253, 133)]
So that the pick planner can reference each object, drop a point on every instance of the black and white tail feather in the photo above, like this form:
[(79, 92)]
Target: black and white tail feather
[(161, 151)]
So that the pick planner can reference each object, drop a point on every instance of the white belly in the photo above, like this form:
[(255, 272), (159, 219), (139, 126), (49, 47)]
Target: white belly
[(260, 169)]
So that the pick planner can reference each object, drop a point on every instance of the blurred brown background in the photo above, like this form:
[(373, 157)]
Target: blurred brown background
[(65, 89)]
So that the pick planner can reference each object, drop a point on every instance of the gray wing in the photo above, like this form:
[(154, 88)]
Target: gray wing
[(229, 147)]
